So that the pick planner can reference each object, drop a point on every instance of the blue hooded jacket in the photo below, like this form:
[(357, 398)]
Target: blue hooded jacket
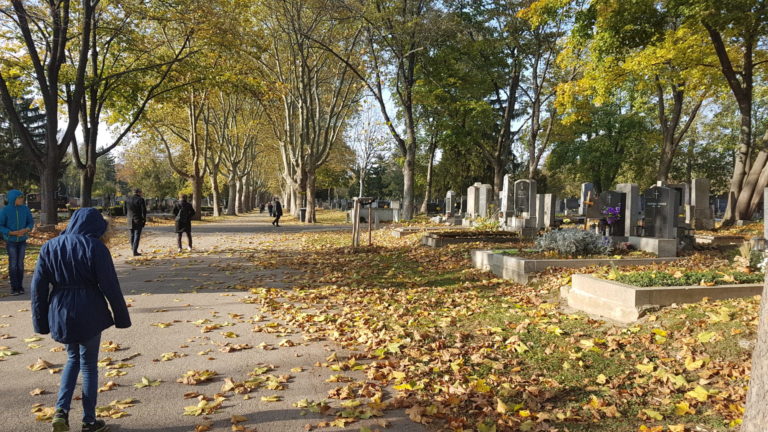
[(74, 278), (14, 218)]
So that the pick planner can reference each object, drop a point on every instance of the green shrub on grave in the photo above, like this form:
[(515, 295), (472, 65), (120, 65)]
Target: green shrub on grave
[(690, 278), (574, 242)]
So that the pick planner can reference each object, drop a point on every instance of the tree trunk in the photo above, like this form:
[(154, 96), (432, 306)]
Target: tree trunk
[(239, 196), (498, 176), (667, 153), (87, 177), (362, 179), (232, 199), (408, 173), (310, 215), (48, 186), (748, 188), (215, 192), (197, 196), (756, 415), (428, 191)]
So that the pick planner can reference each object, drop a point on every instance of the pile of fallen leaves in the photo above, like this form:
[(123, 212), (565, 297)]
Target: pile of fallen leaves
[(465, 351)]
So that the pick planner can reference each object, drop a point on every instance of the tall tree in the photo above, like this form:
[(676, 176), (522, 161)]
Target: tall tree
[(396, 35), (128, 65), (318, 92), (640, 52), (43, 32), (738, 31)]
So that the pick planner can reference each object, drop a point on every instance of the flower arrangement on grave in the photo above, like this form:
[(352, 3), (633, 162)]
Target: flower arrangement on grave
[(612, 214)]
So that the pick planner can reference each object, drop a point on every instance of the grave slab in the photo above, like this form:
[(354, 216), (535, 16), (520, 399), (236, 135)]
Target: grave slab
[(523, 270), (627, 303)]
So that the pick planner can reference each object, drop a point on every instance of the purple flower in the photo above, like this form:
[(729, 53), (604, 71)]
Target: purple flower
[(612, 214)]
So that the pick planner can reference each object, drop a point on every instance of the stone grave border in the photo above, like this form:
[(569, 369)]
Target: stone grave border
[(436, 241), (406, 231), (627, 303), (710, 240), (521, 270)]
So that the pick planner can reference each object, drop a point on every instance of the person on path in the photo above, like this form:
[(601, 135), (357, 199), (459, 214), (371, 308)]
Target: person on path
[(271, 210), (137, 218), (74, 280), (277, 212), (15, 223), (184, 212)]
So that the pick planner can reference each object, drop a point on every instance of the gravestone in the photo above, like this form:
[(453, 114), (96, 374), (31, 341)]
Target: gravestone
[(593, 207), (571, 204), (702, 211), (485, 200), (614, 200), (473, 200), (539, 211), (507, 195), (450, 202), (632, 211), (586, 190), (550, 209), (661, 211), (525, 198), (463, 205), (684, 209)]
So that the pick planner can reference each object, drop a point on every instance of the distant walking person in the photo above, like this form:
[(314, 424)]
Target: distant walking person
[(74, 280), (137, 218), (184, 212), (15, 223), (271, 210), (277, 212)]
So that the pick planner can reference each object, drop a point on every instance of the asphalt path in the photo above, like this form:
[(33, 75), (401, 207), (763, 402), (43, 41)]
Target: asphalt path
[(172, 297)]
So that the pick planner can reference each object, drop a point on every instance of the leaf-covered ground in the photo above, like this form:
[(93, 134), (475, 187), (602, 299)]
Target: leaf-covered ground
[(353, 340), (465, 351)]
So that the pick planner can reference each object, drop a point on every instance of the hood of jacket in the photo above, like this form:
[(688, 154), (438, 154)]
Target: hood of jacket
[(87, 222), (12, 195)]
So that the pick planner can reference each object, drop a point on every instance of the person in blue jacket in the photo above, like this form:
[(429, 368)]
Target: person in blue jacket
[(74, 280), (15, 223)]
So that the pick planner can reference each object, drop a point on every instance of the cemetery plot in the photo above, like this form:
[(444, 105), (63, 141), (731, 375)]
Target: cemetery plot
[(625, 302), (443, 238), (523, 270)]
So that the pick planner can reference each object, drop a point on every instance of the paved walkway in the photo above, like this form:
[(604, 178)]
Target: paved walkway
[(173, 297)]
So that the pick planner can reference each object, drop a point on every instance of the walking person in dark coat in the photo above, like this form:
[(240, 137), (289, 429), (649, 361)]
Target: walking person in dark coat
[(74, 280), (137, 218), (271, 210), (277, 212), (15, 223), (184, 212)]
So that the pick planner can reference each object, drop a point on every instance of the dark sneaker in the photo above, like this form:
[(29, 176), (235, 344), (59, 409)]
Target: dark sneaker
[(60, 421), (15, 293), (97, 426)]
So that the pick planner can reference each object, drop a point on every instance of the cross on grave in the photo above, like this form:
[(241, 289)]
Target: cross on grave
[(588, 202)]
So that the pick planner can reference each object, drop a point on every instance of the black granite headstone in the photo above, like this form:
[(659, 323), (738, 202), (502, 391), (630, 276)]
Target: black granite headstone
[(522, 198), (660, 218)]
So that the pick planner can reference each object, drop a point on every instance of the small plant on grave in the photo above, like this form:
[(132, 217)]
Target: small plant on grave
[(574, 242), (486, 224), (747, 260), (612, 214)]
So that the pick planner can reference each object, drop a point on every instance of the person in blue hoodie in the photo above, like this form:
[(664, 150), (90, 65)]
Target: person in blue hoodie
[(74, 280), (15, 224)]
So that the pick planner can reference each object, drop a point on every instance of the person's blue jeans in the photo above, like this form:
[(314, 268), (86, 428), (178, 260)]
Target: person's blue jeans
[(135, 237), (81, 357), (16, 252)]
